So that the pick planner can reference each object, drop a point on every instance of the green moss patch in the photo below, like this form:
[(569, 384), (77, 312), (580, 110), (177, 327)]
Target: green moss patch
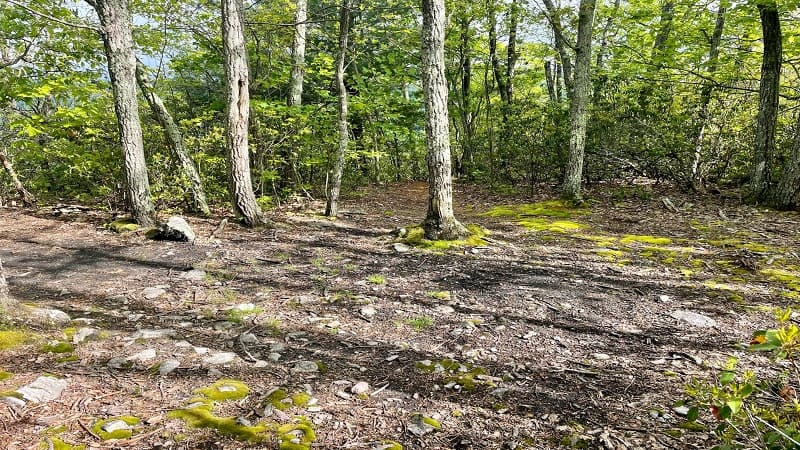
[(57, 347), (738, 244), (14, 338), (790, 280), (296, 436), (415, 236), (389, 445), (599, 240), (124, 225), (549, 208), (58, 444), (5, 375), (554, 226), (99, 427), (202, 417), (644, 239), (609, 254), (225, 390), (457, 375)]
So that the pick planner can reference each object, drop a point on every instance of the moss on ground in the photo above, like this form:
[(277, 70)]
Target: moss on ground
[(296, 436), (57, 347), (225, 390), (202, 417), (124, 225), (97, 428), (14, 338), (644, 239), (415, 236), (609, 254), (461, 376), (548, 208), (57, 444), (554, 226)]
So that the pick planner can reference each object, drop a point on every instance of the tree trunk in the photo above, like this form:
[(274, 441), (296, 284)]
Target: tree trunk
[(27, 198), (601, 53), (786, 194), (550, 80), (298, 54), (579, 109), (512, 55), (767, 101), (115, 20), (664, 30), (332, 208), (7, 304), (705, 100), (465, 64), (498, 74), (561, 44), (238, 114), (440, 222), (174, 140)]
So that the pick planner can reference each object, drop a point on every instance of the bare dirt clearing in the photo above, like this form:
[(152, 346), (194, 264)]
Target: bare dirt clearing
[(567, 328)]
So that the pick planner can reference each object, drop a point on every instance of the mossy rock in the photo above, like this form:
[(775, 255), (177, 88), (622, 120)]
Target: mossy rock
[(57, 347), (202, 417), (130, 421), (389, 445), (124, 225), (57, 444), (225, 390), (279, 399), (296, 436)]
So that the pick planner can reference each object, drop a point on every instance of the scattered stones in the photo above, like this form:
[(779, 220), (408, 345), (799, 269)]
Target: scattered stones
[(362, 387), (194, 275), (119, 363), (83, 334), (368, 312), (218, 359), (168, 366), (143, 355), (152, 293), (306, 367), (43, 389), (47, 317), (399, 247), (694, 319), (174, 229), (145, 333)]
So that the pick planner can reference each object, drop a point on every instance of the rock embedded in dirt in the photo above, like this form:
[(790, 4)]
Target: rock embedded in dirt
[(83, 334), (399, 247), (362, 387), (168, 366), (43, 389), (368, 311), (694, 319), (174, 229), (194, 275), (248, 338), (115, 425), (143, 355), (218, 359), (306, 367), (146, 333), (151, 293)]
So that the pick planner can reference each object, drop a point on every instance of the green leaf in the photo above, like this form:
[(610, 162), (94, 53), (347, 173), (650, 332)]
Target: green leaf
[(726, 378), (691, 416), (734, 405)]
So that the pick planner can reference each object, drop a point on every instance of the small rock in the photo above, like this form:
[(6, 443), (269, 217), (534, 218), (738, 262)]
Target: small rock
[(115, 425), (214, 373), (154, 334), (362, 387), (174, 229), (200, 350), (47, 316), (693, 318), (444, 309), (306, 367), (134, 317), (118, 363), (391, 358), (220, 358), (245, 307), (83, 334), (601, 356), (260, 364), (194, 275), (277, 347), (275, 356), (248, 338), (14, 402), (151, 293), (681, 410), (143, 355), (420, 425), (343, 395), (168, 366), (664, 298), (399, 247), (43, 389)]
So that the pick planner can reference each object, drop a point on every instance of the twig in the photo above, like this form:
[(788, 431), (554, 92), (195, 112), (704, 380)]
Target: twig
[(88, 430), (379, 390)]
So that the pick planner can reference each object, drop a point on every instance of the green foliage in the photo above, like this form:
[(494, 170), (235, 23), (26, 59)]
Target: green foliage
[(419, 323), (751, 409)]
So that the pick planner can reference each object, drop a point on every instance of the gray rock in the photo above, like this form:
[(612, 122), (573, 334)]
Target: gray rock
[(115, 425), (399, 247), (419, 426), (43, 389), (248, 338), (143, 355), (47, 317), (362, 387), (168, 366), (306, 367), (151, 293), (275, 356), (260, 364), (83, 334), (368, 311), (194, 275), (220, 358), (694, 319), (119, 363), (146, 333), (174, 229)]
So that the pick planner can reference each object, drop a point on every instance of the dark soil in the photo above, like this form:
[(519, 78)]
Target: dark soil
[(575, 348)]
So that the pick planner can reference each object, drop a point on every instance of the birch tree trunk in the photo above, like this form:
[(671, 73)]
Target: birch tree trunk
[(550, 80), (115, 21), (579, 109), (174, 140), (7, 304), (332, 208), (238, 114), (298, 54), (440, 222), (27, 198), (767, 119), (561, 44)]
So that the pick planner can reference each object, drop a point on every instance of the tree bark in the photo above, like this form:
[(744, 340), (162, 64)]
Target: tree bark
[(332, 208), (561, 44), (6, 302), (440, 222), (705, 100), (27, 198), (550, 80), (174, 140), (579, 109), (238, 114), (498, 74), (115, 20), (512, 55), (298, 54), (767, 119), (786, 194)]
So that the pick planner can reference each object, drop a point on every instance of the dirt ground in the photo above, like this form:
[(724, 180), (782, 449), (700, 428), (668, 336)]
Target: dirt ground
[(543, 338)]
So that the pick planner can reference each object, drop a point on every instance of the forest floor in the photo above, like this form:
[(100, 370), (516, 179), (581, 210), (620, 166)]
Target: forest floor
[(565, 328)]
